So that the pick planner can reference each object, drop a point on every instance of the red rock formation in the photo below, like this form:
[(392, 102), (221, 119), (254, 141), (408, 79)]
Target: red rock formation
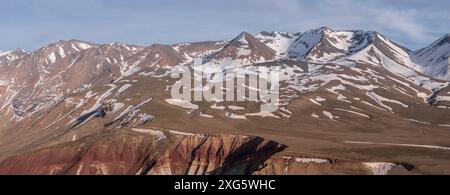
[(126, 152)]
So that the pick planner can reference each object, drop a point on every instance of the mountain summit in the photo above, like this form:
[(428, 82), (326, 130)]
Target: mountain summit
[(244, 49), (435, 58)]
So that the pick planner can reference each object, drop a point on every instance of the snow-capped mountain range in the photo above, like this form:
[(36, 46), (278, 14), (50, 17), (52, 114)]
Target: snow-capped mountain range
[(72, 89), (326, 45), (35, 80)]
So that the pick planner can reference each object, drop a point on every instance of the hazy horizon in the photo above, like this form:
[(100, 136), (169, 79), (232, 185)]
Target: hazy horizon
[(36, 23)]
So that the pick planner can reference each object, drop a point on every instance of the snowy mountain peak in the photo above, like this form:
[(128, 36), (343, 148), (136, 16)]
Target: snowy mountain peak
[(304, 43), (446, 37), (9, 56), (434, 59), (242, 38), (17, 51), (324, 44), (244, 49), (336, 44), (323, 29), (265, 34), (244, 33), (70, 45), (278, 41), (123, 46), (119, 44), (4, 53), (442, 41), (62, 49), (75, 44)]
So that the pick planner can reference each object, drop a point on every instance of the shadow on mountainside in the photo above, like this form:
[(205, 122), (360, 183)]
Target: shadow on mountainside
[(249, 157)]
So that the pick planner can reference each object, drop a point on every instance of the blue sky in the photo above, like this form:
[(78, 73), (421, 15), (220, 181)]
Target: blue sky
[(31, 24)]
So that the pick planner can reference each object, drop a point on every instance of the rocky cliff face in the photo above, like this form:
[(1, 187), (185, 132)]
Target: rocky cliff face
[(147, 152), (154, 152)]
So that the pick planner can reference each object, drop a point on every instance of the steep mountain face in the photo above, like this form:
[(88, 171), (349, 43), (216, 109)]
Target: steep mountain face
[(324, 44), (243, 50), (300, 48), (199, 49), (43, 78), (156, 58), (278, 41), (341, 92), (7, 57), (434, 59), (34, 82), (335, 45)]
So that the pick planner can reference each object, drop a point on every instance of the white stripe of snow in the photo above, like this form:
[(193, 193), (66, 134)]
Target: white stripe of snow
[(405, 145), (159, 134), (263, 114), (217, 107), (380, 99), (235, 116), (52, 57), (417, 121), (329, 115), (236, 107), (181, 133), (206, 115), (369, 104), (312, 160), (315, 102), (61, 52), (123, 88), (320, 99), (182, 103), (380, 168), (353, 112), (84, 45)]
